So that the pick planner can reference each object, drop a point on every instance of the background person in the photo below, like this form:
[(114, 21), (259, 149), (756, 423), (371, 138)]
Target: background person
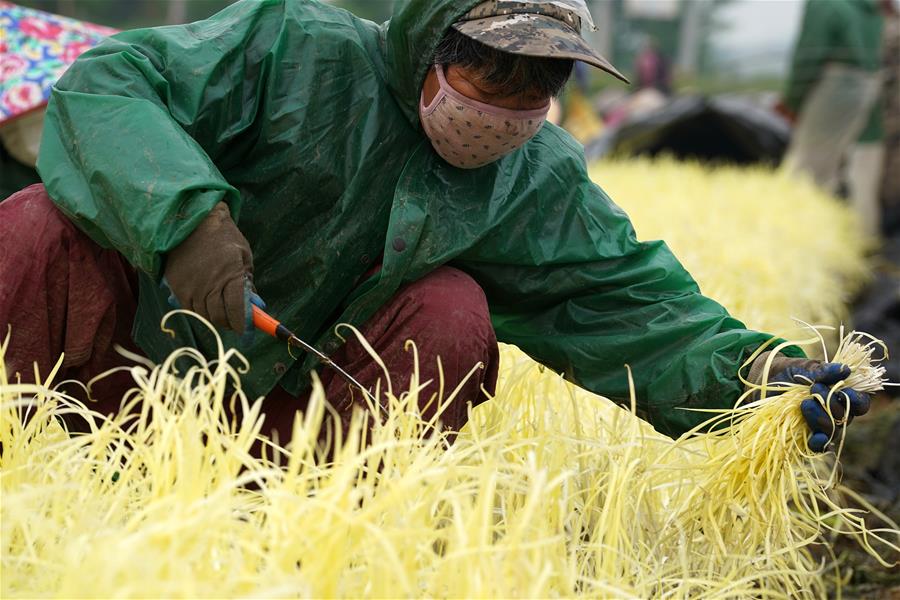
[(833, 95)]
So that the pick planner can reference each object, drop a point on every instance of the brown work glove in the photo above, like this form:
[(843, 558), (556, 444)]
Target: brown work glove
[(821, 377), (211, 271)]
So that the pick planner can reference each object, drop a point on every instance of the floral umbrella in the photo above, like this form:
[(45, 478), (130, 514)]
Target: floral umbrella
[(36, 48)]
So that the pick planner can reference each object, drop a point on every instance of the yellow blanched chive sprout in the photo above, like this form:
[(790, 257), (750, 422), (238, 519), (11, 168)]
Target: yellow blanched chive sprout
[(550, 491)]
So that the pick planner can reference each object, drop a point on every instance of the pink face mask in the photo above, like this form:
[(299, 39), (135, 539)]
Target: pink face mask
[(469, 134)]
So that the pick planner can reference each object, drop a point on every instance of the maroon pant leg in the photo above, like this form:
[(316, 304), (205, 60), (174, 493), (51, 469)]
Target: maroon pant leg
[(62, 293), (445, 313)]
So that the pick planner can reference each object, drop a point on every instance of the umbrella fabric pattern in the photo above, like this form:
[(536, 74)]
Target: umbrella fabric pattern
[(36, 48)]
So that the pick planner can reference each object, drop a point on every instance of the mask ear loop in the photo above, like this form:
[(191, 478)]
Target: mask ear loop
[(441, 93)]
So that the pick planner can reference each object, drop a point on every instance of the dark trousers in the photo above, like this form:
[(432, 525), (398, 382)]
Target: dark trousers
[(62, 293)]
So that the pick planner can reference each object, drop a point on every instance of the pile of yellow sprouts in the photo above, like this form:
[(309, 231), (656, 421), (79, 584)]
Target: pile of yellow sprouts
[(550, 491), (735, 230)]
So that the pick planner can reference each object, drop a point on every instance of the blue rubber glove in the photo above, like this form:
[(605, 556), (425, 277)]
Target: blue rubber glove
[(251, 298), (820, 376)]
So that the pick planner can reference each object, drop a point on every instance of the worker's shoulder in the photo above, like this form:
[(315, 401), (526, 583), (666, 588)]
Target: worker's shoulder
[(291, 17), (558, 148), (561, 136), (322, 18)]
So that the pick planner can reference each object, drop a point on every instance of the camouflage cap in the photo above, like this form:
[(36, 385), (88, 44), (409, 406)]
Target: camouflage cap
[(544, 28)]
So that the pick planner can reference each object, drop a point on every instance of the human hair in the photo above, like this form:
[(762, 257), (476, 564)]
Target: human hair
[(513, 73)]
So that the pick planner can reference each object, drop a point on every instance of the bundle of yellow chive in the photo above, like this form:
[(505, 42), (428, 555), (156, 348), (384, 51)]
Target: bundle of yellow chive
[(550, 491)]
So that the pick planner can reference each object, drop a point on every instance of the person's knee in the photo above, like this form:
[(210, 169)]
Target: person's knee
[(30, 216), (446, 315), (452, 314), (80, 298)]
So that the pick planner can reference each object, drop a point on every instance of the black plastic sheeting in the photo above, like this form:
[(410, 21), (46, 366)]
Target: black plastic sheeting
[(723, 129)]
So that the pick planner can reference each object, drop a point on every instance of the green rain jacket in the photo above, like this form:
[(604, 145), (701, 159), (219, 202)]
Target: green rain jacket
[(837, 31), (303, 118)]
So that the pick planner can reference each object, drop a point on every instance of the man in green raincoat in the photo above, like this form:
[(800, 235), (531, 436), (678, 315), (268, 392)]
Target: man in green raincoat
[(400, 178), (833, 94)]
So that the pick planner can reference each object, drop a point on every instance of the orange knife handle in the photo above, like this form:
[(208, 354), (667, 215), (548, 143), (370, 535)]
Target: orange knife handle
[(267, 324), (264, 322)]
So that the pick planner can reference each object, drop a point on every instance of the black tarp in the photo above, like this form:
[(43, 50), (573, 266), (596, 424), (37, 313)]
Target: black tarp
[(724, 129)]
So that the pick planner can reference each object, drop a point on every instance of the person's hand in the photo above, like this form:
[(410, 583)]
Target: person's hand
[(211, 273), (820, 376)]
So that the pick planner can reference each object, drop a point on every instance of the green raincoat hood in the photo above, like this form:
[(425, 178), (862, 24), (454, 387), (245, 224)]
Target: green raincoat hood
[(409, 41), (303, 119)]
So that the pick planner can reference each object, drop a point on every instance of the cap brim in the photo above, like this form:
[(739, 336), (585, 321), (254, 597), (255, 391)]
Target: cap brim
[(534, 35)]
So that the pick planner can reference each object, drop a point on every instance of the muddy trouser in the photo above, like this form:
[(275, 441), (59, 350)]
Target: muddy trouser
[(62, 293), (829, 123)]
